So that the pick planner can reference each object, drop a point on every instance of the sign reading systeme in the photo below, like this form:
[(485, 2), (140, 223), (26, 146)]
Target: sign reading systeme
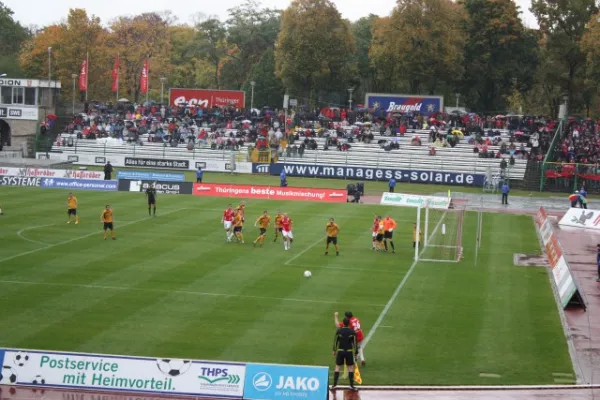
[(151, 176), (78, 184), (129, 374), (372, 174), (272, 382)]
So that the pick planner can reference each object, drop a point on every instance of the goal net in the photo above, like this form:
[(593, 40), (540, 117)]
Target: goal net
[(441, 232)]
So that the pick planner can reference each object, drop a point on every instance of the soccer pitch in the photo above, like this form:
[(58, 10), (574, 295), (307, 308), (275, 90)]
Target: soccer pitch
[(171, 286)]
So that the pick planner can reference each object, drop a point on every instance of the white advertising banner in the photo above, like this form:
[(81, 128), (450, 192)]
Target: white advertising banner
[(581, 218), (51, 173), (16, 112), (561, 273), (146, 162), (122, 373), (413, 200)]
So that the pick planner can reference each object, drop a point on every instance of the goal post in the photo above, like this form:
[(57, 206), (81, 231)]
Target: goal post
[(442, 232)]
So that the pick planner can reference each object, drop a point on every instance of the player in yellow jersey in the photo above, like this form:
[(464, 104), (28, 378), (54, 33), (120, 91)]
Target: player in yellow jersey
[(278, 226), (420, 236), (379, 238), (238, 226), (72, 208), (331, 230), (263, 223), (107, 219), (241, 208)]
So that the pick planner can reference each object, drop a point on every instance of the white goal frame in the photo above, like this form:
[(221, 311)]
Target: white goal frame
[(419, 250)]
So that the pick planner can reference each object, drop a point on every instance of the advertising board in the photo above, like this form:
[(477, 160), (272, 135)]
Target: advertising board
[(52, 173), (207, 98), (270, 192), (561, 273), (19, 181), (581, 218), (151, 176), (122, 373), (158, 163), (15, 112), (78, 184), (126, 185), (272, 382), (413, 200), (370, 173), (405, 103)]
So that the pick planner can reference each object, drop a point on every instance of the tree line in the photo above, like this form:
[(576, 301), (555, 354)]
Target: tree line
[(479, 50)]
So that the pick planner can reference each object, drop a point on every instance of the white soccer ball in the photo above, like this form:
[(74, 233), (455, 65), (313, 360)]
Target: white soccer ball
[(307, 274)]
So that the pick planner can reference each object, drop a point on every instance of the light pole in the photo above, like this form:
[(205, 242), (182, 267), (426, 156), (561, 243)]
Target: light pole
[(162, 90), (74, 76), (457, 98), (252, 96), (49, 65), (350, 90)]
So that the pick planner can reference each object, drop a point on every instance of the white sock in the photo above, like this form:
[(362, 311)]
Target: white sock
[(285, 244), (360, 354)]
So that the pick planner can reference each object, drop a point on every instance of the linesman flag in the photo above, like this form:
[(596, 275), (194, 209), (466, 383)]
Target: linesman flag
[(115, 76), (144, 82), (357, 377)]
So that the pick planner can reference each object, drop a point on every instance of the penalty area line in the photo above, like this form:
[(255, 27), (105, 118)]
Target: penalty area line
[(167, 291), (49, 246), (288, 262)]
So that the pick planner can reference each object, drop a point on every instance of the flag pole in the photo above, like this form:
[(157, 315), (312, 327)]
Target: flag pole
[(87, 74), (147, 77)]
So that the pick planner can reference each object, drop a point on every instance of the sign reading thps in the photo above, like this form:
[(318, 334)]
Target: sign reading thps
[(157, 163)]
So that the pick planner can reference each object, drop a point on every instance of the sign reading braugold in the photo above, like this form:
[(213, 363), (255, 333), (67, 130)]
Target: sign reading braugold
[(107, 372), (412, 200)]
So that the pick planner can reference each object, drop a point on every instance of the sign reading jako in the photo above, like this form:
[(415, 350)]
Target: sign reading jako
[(270, 192)]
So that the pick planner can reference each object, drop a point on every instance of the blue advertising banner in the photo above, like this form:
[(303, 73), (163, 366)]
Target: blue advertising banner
[(374, 174), (271, 382), (261, 168), (78, 184), (151, 176), (403, 103)]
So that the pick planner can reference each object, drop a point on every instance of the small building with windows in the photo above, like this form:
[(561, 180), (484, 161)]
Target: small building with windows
[(24, 103)]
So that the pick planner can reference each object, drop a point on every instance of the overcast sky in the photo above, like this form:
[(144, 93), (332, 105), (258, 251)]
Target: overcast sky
[(41, 12)]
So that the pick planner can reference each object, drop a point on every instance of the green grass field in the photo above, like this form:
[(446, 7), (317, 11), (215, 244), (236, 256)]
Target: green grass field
[(171, 286)]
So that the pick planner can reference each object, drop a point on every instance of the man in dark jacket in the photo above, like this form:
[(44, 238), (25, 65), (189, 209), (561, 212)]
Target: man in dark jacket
[(108, 169)]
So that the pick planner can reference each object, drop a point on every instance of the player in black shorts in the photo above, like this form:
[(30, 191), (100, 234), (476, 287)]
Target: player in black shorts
[(344, 351), (151, 195)]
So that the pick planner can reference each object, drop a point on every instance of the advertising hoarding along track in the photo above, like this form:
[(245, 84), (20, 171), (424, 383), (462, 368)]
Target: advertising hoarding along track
[(78, 184), (581, 218), (162, 187), (413, 200), (270, 192)]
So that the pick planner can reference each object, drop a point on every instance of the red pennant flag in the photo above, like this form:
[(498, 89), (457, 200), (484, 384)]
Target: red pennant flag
[(115, 76), (144, 78), (83, 76)]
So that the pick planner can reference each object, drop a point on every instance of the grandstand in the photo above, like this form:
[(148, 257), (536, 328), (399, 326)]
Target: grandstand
[(460, 158)]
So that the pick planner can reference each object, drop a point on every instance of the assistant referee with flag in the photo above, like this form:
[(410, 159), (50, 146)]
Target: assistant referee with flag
[(344, 351)]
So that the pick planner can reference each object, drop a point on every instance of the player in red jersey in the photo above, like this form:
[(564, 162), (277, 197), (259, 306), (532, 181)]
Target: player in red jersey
[(355, 325), (288, 236), (374, 230), (227, 221)]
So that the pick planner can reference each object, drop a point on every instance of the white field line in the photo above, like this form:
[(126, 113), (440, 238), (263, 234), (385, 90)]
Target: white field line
[(343, 268), (20, 234), (395, 294), (189, 292), (80, 238), (288, 262)]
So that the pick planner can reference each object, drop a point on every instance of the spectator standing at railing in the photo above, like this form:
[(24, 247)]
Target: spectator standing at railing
[(108, 169), (199, 174)]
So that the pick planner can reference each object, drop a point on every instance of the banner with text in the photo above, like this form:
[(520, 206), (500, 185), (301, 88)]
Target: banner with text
[(561, 273), (372, 173), (413, 200), (581, 218), (78, 184), (133, 374), (272, 382), (119, 161), (19, 181), (151, 176), (52, 173), (270, 192), (126, 185)]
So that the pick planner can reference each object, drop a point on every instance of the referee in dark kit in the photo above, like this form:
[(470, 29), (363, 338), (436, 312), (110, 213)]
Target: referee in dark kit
[(344, 351)]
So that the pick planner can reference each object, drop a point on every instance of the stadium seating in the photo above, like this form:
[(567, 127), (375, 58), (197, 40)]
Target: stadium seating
[(461, 158)]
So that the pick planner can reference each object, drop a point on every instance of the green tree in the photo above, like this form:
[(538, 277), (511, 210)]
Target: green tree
[(187, 68), (12, 36), (210, 44), (500, 54), (315, 48), (564, 24), (362, 30), (268, 90)]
